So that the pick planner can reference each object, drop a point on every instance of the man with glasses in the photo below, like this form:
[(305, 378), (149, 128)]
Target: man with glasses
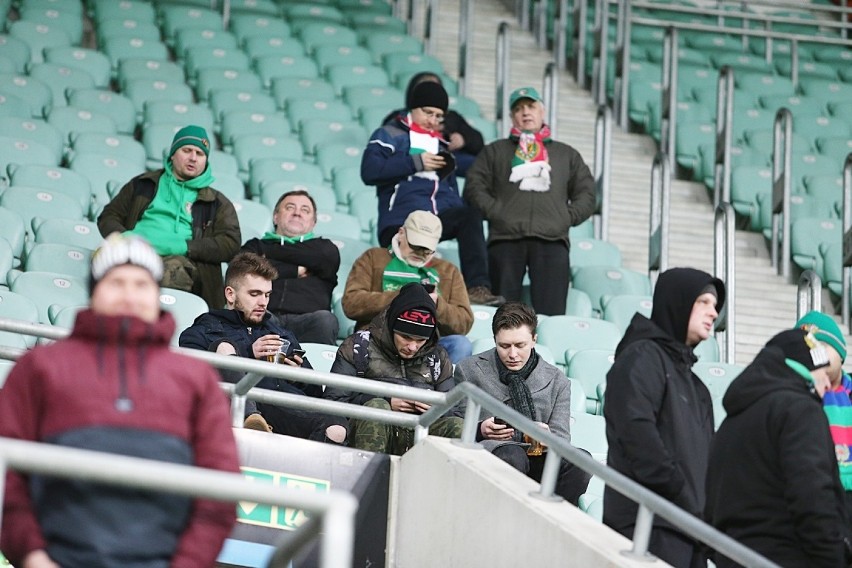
[(409, 163), (378, 275)]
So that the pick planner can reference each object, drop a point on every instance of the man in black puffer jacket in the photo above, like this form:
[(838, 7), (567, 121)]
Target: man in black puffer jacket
[(659, 415)]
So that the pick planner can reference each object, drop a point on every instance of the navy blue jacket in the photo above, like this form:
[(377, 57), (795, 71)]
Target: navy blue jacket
[(387, 164)]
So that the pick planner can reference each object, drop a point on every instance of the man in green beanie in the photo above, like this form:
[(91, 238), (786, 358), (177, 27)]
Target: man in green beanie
[(836, 402), (190, 224)]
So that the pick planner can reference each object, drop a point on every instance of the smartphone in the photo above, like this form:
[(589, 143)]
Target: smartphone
[(500, 421), (299, 352)]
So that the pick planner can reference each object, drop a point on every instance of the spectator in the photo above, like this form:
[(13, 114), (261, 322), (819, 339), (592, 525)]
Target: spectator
[(463, 140), (659, 415), (531, 189), (412, 170), (307, 269), (114, 386), (190, 224), (772, 481), (513, 373), (247, 329), (836, 401), (401, 347), (379, 273)]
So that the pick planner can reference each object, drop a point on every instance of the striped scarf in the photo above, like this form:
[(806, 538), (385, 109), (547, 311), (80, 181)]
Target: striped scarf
[(421, 141), (838, 409), (529, 163), (398, 273)]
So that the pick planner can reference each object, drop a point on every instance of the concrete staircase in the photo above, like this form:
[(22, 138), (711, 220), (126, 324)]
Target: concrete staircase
[(764, 303)]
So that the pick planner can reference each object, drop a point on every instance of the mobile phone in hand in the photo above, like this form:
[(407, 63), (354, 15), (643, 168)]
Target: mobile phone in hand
[(500, 421), (299, 352)]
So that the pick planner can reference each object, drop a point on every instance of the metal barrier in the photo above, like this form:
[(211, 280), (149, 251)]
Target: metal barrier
[(429, 19), (602, 166), (578, 43), (336, 509), (724, 132), (560, 42), (668, 108), (551, 97), (601, 45), (847, 242), (504, 42), (724, 267), (782, 174), (808, 294), (465, 43), (658, 232)]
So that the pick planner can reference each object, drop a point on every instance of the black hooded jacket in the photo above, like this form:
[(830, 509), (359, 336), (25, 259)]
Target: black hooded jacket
[(659, 415), (772, 482)]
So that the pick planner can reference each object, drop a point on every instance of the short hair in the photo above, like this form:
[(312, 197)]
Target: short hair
[(297, 192), (249, 264), (513, 315)]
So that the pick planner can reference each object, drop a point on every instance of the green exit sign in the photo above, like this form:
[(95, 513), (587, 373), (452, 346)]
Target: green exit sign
[(272, 516)]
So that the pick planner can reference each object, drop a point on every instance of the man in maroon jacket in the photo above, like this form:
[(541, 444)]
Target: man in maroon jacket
[(114, 386)]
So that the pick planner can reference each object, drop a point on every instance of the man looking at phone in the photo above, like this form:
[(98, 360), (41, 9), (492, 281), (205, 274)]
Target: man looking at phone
[(378, 274), (247, 329)]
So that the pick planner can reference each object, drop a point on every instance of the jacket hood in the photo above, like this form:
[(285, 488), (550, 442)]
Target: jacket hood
[(127, 330), (674, 295), (641, 328), (410, 296), (767, 374)]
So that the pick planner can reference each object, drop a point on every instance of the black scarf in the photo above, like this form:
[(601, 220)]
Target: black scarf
[(517, 381)]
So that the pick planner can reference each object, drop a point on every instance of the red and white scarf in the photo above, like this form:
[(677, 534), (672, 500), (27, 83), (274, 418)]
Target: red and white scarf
[(529, 163), (422, 140)]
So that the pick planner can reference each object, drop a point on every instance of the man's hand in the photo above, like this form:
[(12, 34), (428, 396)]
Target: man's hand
[(493, 431), (38, 559), (546, 427), (403, 405), (456, 141), (226, 348), (266, 346), (432, 162), (293, 361), (302, 272)]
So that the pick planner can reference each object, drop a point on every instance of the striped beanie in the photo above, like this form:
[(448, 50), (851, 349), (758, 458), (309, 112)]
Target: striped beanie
[(191, 135), (118, 250), (825, 329)]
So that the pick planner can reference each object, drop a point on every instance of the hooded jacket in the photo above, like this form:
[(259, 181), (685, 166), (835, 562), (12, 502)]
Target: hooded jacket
[(125, 393), (772, 482), (384, 362), (659, 415), (387, 164)]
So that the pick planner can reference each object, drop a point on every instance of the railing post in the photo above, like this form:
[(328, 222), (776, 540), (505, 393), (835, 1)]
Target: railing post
[(621, 84), (668, 107), (847, 242), (471, 421), (578, 42), (781, 190), (549, 475), (551, 97), (658, 234), (641, 534), (808, 293), (465, 24), (601, 59), (502, 77), (429, 25), (602, 166), (724, 128), (560, 42), (724, 267)]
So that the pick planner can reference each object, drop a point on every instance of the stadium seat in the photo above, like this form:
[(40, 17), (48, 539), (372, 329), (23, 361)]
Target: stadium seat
[(199, 58), (300, 13), (19, 307), (149, 68), (255, 218), (346, 325), (230, 186), (602, 282), (399, 63), (133, 9), (60, 180), (16, 150), (620, 309), (322, 194), (60, 258), (142, 91), (350, 55), (60, 79), (7, 261), (589, 433), (15, 50), (35, 130), (217, 79), (184, 307), (482, 316), (32, 90), (241, 122), (118, 107), (271, 67), (127, 27), (14, 106), (317, 34), (301, 110), (332, 224), (248, 147), (708, 350), (350, 249), (248, 26), (360, 96), (47, 288), (279, 46), (121, 48), (806, 236), (590, 252), (13, 230), (70, 232), (365, 207), (72, 122), (177, 115), (95, 63), (569, 334), (717, 376), (190, 38), (345, 75), (285, 89), (320, 355), (102, 169), (31, 202), (176, 17), (589, 367), (382, 43), (39, 36), (342, 148), (272, 169), (120, 145), (224, 101)]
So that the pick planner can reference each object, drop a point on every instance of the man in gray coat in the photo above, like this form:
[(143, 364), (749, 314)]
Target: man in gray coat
[(513, 373)]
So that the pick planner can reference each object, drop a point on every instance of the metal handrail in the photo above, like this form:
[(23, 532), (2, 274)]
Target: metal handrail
[(429, 21), (808, 293), (601, 46), (621, 79), (551, 97), (560, 42), (724, 267), (337, 508), (658, 232), (782, 175), (847, 242), (465, 44), (723, 138), (504, 42), (578, 43), (602, 167), (668, 107)]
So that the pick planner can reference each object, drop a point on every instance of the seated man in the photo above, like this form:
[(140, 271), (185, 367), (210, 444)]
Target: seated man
[(400, 346), (408, 162), (191, 225), (307, 269), (513, 373), (246, 329), (379, 273)]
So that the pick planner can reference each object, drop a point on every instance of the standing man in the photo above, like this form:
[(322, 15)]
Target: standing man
[(513, 373), (190, 224), (400, 346), (247, 329), (531, 189), (307, 269), (378, 275), (772, 482), (659, 415), (114, 386), (408, 162)]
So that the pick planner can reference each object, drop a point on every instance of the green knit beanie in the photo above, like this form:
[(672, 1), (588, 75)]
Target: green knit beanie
[(192, 134), (825, 329)]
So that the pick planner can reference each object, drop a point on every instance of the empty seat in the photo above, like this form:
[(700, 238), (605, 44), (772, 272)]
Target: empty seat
[(72, 232), (39, 36), (53, 178), (35, 130), (302, 110), (213, 79), (570, 334), (95, 63), (285, 89), (589, 367), (177, 114), (621, 309), (248, 147), (602, 282), (279, 46), (717, 376), (61, 79), (189, 38), (322, 195), (121, 48), (332, 154), (16, 150), (589, 252), (13, 105), (350, 249), (19, 307), (247, 26), (198, 58), (177, 17), (72, 122), (102, 169), (60, 258), (15, 50), (32, 202), (255, 218), (318, 34), (335, 224), (272, 169), (184, 307), (223, 101), (320, 355), (238, 123), (345, 75), (142, 91), (482, 316), (32, 90), (149, 68), (47, 289), (270, 67), (118, 107), (12, 229)]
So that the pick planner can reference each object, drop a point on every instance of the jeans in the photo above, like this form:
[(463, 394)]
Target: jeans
[(458, 347), (571, 481), (314, 327)]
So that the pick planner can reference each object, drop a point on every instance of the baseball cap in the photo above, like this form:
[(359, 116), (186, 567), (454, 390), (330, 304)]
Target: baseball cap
[(423, 229), (524, 93)]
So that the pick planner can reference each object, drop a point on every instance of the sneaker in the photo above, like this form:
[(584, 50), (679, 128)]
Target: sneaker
[(482, 295), (257, 422)]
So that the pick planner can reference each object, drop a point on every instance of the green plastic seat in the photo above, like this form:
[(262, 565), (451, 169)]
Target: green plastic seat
[(747, 182), (755, 86), (346, 182), (64, 17), (117, 107), (835, 148), (35, 130), (814, 127), (689, 136), (717, 376), (223, 163), (383, 43), (101, 170), (327, 56), (396, 64), (17, 150), (591, 252), (247, 26), (620, 309), (32, 202), (171, 113), (754, 119), (317, 133), (322, 194), (255, 7), (152, 69), (184, 307), (809, 69), (802, 206), (826, 91), (807, 234), (190, 38), (95, 63), (224, 101), (230, 185), (60, 258), (238, 123), (832, 263), (120, 48), (126, 9), (255, 218), (361, 96), (794, 103), (349, 7), (316, 34), (762, 141), (713, 43), (72, 122), (39, 36), (365, 206), (601, 282), (589, 367), (332, 224), (285, 89), (343, 76), (571, 334), (13, 230), (74, 232), (121, 145), (34, 91), (206, 57), (216, 79), (331, 155), (176, 17), (16, 50), (248, 147), (277, 46), (14, 106), (272, 169), (109, 30), (300, 110), (271, 67), (686, 110), (305, 12), (19, 307), (350, 249), (142, 91), (56, 179)]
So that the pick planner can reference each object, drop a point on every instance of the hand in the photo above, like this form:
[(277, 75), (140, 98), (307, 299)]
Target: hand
[(493, 431), (546, 427), (432, 162), (266, 346), (420, 407), (38, 559), (293, 361), (302, 272), (456, 141), (226, 348), (403, 405)]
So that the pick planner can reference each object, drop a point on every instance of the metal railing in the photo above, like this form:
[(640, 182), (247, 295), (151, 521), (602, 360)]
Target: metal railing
[(782, 175), (668, 108), (336, 509), (724, 267), (658, 231), (808, 293), (466, 20), (550, 89), (724, 134), (847, 242), (578, 43), (503, 54), (473, 400), (602, 167), (601, 42)]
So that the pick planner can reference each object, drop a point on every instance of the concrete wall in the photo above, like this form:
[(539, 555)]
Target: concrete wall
[(454, 506)]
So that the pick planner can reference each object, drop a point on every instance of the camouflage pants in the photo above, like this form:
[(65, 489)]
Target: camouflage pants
[(389, 439), (179, 273)]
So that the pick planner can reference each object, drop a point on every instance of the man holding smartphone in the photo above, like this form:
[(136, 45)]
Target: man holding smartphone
[(247, 329)]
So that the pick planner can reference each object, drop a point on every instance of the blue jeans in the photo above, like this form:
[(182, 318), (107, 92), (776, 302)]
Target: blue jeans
[(458, 347)]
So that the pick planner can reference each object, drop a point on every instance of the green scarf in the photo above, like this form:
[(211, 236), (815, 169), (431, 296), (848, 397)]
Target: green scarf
[(398, 273), (270, 236)]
